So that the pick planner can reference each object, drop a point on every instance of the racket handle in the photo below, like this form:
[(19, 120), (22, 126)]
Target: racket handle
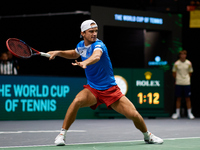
[(45, 54)]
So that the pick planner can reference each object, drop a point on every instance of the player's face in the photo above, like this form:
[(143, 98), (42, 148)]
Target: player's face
[(90, 35), (4, 57), (183, 56)]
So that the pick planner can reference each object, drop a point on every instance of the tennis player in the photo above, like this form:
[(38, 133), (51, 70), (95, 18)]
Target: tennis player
[(101, 86)]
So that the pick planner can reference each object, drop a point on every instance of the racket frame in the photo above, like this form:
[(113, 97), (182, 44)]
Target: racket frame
[(30, 48)]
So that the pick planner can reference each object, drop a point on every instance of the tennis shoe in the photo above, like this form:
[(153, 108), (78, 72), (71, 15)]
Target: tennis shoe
[(152, 139), (60, 140), (191, 116), (175, 116)]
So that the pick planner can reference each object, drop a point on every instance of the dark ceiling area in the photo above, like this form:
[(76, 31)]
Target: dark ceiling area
[(32, 7)]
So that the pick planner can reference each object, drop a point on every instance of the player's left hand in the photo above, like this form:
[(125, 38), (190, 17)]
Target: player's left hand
[(81, 64)]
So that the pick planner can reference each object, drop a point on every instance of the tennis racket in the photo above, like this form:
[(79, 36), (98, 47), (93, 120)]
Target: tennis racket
[(22, 50)]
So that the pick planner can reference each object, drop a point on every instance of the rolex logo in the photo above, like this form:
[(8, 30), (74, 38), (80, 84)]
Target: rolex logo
[(148, 81), (148, 75)]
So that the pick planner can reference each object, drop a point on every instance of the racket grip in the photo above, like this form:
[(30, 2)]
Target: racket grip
[(45, 54)]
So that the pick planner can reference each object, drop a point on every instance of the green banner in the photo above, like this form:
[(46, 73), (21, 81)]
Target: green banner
[(35, 97), (145, 86)]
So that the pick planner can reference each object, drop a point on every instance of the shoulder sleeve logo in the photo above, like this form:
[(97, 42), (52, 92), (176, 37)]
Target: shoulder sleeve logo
[(97, 45)]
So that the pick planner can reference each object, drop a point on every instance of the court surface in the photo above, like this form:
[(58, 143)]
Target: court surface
[(100, 134)]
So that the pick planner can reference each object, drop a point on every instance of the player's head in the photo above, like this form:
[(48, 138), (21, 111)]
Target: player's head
[(10, 56), (89, 30), (3, 56), (183, 54)]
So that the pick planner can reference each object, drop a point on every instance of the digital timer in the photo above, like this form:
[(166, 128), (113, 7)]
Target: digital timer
[(150, 98)]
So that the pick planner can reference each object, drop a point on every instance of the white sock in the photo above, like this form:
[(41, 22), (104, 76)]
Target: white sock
[(146, 134), (189, 111), (63, 131), (178, 111)]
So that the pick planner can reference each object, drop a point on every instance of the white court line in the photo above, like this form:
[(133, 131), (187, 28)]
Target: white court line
[(39, 131), (132, 141), (99, 142)]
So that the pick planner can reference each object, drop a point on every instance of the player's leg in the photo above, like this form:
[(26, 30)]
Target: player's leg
[(178, 106), (189, 108), (126, 107), (178, 102), (84, 98), (178, 93), (188, 102), (187, 92)]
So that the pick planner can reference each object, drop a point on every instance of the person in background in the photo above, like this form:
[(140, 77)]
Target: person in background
[(13, 60), (182, 71), (7, 67)]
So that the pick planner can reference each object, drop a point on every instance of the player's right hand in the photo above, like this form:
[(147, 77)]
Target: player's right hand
[(53, 54)]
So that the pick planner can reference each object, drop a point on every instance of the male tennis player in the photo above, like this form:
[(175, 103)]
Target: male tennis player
[(101, 86)]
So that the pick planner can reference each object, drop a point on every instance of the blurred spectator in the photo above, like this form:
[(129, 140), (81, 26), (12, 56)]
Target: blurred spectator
[(13, 60), (182, 71), (7, 67)]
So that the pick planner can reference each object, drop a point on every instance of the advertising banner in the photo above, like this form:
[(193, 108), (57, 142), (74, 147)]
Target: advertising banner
[(36, 97), (145, 87)]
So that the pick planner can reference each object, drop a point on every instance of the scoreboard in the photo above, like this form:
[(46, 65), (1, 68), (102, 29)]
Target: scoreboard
[(144, 87)]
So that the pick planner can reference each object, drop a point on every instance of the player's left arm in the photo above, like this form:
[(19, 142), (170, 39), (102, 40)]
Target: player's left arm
[(94, 58)]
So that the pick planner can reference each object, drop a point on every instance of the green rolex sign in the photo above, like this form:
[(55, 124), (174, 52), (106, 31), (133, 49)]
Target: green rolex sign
[(145, 88)]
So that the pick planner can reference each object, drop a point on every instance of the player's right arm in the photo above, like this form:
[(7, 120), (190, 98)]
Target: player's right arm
[(68, 54), (174, 69), (174, 75)]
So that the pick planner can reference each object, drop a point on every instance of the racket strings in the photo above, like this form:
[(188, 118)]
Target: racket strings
[(19, 48)]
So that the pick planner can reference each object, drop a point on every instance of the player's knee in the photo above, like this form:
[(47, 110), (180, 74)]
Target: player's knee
[(78, 102), (133, 115)]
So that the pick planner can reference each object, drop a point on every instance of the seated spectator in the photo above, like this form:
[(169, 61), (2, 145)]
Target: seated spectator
[(7, 67)]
